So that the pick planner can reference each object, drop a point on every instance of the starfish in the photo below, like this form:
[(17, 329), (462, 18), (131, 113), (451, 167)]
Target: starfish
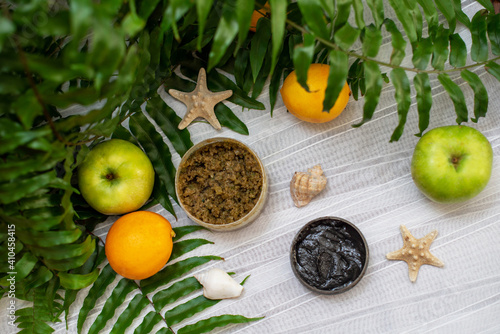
[(415, 252), (200, 102)]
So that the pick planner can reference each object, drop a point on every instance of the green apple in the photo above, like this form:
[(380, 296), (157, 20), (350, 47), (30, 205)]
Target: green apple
[(452, 163), (116, 177)]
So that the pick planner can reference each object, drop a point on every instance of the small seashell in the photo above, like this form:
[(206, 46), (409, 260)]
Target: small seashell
[(304, 186), (217, 284)]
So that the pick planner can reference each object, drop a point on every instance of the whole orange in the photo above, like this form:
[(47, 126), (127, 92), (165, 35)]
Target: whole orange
[(308, 106), (139, 244)]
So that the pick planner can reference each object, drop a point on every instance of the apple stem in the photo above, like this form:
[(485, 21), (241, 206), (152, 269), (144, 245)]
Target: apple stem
[(110, 176), (455, 160)]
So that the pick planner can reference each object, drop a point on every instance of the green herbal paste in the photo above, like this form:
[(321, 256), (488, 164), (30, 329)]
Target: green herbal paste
[(220, 183)]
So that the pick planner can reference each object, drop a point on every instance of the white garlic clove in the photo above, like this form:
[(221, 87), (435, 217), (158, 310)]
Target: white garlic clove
[(217, 284)]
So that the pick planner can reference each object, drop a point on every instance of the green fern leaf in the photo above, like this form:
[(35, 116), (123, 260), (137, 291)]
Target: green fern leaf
[(78, 281), (207, 325), (105, 278), (456, 95), (336, 78), (372, 40), (424, 100), (188, 309), (227, 30), (446, 7), (440, 53), (374, 83), (278, 8), (458, 51), (174, 271), (312, 13), (343, 11), (136, 305), (480, 94), (174, 292), (147, 324), (377, 9), (358, 13), (403, 99), (182, 231), (229, 120), (479, 49), (185, 246), (430, 12), (203, 9), (494, 33), (422, 53), (346, 36), (302, 59), (117, 297), (398, 42), (493, 69)]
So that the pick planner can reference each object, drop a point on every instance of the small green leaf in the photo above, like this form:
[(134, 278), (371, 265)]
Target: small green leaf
[(479, 49), (202, 9), (403, 14), (403, 98), (49, 238), (117, 297), (456, 95), (148, 322), (244, 10), (22, 268), (440, 53), (224, 35), (207, 325), (174, 292), (422, 53), (446, 7), (494, 33), (97, 290), (278, 19), (69, 263), (312, 13), (302, 59), (336, 78), (168, 121), (374, 84), (430, 12), (78, 281), (372, 40), (461, 16), (343, 12), (359, 13), (173, 271), (188, 309), (377, 9), (156, 149), (136, 305), (458, 51), (229, 120), (185, 246), (398, 42), (182, 231), (65, 251), (346, 36), (259, 45), (487, 4), (480, 94), (493, 69)]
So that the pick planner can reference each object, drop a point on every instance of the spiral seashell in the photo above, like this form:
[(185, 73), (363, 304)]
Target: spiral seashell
[(304, 186), (217, 284)]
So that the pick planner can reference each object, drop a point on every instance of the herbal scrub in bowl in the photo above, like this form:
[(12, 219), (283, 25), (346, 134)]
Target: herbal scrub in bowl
[(221, 184)]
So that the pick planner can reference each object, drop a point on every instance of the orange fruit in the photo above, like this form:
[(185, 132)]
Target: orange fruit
[(139, 244), (308, 106), (257, 14)]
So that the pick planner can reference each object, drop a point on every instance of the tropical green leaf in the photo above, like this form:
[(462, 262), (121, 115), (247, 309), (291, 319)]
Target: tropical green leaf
[(70, 263), (302, 59), (479, 49), (398, 42), (229, 120), (494, 33), (336, 78), (403, 98), (259, 45), (374, 84), (424, 100), (312, 12), (174, 292), (343, 12), (346, 36), (493, 69), (372, 40), (78, 281), (148, 322), (156, 149), (64, 251), (244, 10), (456, 95), (174, 271), (487, 4), (168, 121), (22, 268), (182, 231), (224, 35), (430, 12), (278, 8), (440, 53), (404, 16), (117, 297), (460, 15), (188, 309), (480, 94), (207, 325), (105, 278), (136, 305), (49, 238), (458, 51), (422, 53), (202, 9), (359, 13), (377, 9), (446, 7), (185, 246)]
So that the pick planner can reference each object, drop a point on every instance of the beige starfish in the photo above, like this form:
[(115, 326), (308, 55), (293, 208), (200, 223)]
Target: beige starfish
[(200, 102), (415, 252)]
